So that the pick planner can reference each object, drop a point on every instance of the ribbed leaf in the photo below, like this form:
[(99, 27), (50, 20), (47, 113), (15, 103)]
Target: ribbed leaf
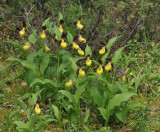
[(45, 81), (69, 37), (44, 63), (57, 32), (56, 111), (87, 115), (104, 113), (33, 37), (60, 17), (117, 55), (111, 42), (119, 98), (104, 57), (68, 95), (78, 93), (73, 61), (21, 104), (88, 51), (46, 22), (33, 99), (25, 64)]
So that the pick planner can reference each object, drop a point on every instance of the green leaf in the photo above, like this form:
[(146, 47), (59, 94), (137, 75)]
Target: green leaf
[(104, 113), (50, 82), (119, 98), (88, 50), (60, 17), (117, 55), (44, 82), (33, 99), (96, 62), (32, 38), (21, 103), (104, 57), (74, 65), (123, 87), (25, 64), (57, 32), (100, 77), (110, 43), (69, 37), (26, 96), (87, 116), (44, 63), (21, 124), (56, 112), (46, 22), (97, 94), (31, 57), (27, 24), (120, 115), (28, 76), (134, 105), (86, 128), (51, 30), (68, 95), (40, 117), (71, 30), (35, 81), (61, 69), (73, 62), (138, 80), (42, 123), (64, 121), (78, 93)]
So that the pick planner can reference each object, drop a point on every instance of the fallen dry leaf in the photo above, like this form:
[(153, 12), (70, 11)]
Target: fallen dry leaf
[(8, 89), (23, 84)]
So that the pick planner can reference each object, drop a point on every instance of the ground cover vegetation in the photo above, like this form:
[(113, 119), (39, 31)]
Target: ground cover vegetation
[(79, 65)]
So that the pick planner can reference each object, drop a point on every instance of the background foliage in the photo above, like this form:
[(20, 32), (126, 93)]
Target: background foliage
[(134, 20)]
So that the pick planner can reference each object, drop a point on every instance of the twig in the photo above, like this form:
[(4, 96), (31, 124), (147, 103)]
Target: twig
[(27, 15)]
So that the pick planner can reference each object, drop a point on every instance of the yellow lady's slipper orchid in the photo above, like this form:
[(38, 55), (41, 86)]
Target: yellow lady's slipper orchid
[(63, 44), (61, 28), (108, 66), (79, 25), (22, 32), (80, 52), (47, 49), (100, 70), (88, 62), (37, 109), (81, 72), (81, 39), (76, 46), (27, 46), (43, 35), (56, 37), (69, 84), (102, 51)]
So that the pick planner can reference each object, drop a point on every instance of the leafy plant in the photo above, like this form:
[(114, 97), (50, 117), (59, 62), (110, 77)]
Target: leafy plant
[(62, 79)]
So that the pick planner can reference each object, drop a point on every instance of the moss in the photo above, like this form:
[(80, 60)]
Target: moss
[(4, 112)]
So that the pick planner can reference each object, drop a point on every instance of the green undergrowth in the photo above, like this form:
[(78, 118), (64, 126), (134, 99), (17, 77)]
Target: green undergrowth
[(148, 94), (10, 87)]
